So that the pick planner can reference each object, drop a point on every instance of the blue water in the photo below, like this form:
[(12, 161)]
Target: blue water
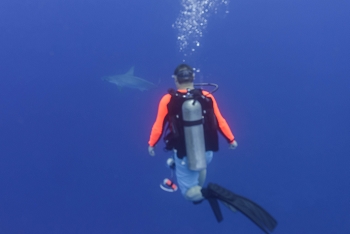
[(73, 149)]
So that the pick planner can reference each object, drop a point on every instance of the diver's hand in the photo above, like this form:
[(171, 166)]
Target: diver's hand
[(151, 151), (233, 145)]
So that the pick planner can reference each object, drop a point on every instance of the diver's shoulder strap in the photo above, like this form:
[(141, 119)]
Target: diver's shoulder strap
[(172, 91), (194, 92)]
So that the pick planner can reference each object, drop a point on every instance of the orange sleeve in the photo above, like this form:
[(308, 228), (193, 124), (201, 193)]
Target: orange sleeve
[(158, 125), (223, 126)]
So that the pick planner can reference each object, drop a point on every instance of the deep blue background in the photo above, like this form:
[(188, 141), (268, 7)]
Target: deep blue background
[(73, 149)]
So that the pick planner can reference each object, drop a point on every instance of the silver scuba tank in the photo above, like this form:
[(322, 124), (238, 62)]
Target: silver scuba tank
[(194, 135)]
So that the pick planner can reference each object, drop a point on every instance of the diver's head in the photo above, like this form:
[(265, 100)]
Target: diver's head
[(183, 74)]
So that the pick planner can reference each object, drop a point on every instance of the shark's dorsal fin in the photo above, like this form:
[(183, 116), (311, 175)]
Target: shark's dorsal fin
[(131, 71)]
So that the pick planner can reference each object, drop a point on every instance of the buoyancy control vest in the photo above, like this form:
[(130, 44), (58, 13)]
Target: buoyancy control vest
[(182, 115)]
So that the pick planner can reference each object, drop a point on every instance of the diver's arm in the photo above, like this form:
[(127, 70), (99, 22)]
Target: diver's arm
[(223, 125), (158, 125)]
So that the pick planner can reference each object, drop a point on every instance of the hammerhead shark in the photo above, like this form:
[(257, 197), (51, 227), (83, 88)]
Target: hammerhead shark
[(129, 80)]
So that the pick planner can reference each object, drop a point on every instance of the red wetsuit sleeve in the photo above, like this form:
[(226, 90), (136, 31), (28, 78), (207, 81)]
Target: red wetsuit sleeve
[(158, 125), (223, 126)]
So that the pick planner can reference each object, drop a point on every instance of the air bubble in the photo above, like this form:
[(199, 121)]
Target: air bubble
[(192, 20)]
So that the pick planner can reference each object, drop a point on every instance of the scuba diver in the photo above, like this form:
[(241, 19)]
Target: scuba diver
[(191, 119)]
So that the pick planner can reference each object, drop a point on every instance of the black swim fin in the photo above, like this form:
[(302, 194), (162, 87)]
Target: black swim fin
[(249, 208)]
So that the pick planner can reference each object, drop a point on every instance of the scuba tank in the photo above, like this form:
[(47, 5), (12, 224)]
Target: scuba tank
[(194, 134), (192, 125)]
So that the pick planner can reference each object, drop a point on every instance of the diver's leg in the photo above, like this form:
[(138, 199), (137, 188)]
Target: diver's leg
[(202, 176), (203, 173), (187, 180), (194, 194), (190, 182)]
